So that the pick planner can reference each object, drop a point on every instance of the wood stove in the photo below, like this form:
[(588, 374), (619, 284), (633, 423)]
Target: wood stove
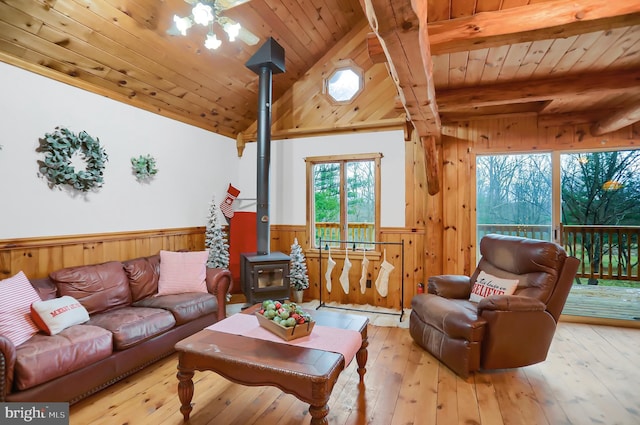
[(264, 277)]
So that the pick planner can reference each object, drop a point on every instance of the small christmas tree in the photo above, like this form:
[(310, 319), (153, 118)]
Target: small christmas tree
[(215, 240), (298, 273)]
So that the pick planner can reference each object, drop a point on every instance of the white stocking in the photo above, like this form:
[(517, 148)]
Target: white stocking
[(382, 282), (344, 277), (365, 269), (330, 265)]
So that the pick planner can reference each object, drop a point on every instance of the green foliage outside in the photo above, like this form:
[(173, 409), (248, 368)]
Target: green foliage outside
[(359, 195), (598, 189)]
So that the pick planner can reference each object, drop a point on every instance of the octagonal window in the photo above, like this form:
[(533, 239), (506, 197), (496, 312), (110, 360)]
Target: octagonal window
[(344, 84)]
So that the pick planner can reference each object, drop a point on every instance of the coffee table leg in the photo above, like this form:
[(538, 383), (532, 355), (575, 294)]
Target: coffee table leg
[(361, 357), (185, 390), (319, 414)]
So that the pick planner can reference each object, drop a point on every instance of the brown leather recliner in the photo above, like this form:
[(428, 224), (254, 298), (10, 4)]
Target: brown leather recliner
[(499, 331)]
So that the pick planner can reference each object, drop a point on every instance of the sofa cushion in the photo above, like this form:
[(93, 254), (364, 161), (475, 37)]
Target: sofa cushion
[(184, 307), (98, 287), (16, 296), (53, 316), (133, 325), (143, 274), (43, 357), (182, 272)]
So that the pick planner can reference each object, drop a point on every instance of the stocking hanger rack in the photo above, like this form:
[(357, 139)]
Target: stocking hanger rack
[(324, 245)]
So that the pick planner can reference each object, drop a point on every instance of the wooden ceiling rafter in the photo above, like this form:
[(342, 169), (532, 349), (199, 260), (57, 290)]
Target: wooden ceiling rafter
[(401, 27), (531, 23)]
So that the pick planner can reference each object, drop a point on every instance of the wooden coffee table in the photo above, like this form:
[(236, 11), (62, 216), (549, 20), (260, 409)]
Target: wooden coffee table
[(309, 374)]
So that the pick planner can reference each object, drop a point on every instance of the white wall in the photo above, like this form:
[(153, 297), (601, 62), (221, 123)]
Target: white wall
[(193, 164), (288, 173)]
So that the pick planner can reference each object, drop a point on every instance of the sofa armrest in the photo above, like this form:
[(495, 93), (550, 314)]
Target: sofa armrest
[(7, 365), (450, 286), (510, 303), (219, 283)]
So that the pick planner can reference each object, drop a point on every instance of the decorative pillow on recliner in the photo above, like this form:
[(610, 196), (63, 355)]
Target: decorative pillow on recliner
[(487, 285), (182, 272), (54, 316), (16, 296)]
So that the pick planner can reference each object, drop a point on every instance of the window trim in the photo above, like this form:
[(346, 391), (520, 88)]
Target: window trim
[(342, 159)]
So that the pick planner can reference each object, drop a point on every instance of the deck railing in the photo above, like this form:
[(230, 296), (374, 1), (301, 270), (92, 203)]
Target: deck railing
[(355, 232), (535, 231), (605, 252)]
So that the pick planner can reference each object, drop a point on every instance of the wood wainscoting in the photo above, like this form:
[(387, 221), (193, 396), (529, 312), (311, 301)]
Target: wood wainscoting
[(282, 236), (37, 257)]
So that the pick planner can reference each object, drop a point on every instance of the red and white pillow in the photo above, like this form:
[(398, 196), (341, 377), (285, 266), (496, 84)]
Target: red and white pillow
[(54, 316), (487, 285), (182, 272), (16, 297)]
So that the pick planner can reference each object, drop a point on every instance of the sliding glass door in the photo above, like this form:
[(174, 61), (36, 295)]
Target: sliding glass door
[(514, 195)]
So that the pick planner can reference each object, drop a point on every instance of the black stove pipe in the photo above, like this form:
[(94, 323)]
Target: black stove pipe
[(269, 59), (263, 160)]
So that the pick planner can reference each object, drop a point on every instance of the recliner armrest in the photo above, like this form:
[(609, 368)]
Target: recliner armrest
[(510, 303), (450, 286)]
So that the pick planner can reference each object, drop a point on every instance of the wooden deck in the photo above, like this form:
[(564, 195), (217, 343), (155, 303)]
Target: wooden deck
[(603, 302)]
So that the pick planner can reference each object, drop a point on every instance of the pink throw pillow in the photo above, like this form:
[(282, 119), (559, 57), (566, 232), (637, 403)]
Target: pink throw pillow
[(182, 272), (54, 316), (16, 297)]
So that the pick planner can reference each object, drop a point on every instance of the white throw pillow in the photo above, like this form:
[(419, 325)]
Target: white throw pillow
[(54, 316), (487, 285)]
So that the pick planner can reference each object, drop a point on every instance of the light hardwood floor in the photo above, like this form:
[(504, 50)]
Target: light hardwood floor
[(591, 376)]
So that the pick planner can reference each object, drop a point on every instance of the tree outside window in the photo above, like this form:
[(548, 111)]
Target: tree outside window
[(345, 199)]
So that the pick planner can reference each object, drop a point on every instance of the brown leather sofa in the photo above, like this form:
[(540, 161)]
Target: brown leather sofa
[(129, 328), (499, 331)]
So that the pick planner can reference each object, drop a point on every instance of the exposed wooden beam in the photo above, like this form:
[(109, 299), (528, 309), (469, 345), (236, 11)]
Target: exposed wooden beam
[(539, 21), (617, 120), (401, 27), (571, 118), (536, 90), (431, 164), (406, 47)]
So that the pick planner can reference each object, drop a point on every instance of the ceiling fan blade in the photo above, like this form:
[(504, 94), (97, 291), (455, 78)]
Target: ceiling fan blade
[(228, 4), (248, 37)]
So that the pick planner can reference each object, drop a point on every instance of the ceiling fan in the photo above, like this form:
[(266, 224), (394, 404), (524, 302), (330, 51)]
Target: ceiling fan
[(208, 13)]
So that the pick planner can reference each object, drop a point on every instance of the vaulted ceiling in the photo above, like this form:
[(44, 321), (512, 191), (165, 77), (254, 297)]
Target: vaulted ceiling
[(562, 60)]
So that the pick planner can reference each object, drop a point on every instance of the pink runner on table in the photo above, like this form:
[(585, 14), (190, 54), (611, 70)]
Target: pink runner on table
[(342, 341)]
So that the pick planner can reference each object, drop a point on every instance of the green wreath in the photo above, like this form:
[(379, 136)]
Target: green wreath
[(59, 147)]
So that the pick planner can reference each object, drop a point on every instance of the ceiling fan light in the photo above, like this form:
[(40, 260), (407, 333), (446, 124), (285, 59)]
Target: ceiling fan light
[(212, 42), (202, 14), (182, 24), (232, 30)]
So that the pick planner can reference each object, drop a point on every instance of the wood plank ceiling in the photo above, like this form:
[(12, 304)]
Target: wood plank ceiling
[(565, 61)]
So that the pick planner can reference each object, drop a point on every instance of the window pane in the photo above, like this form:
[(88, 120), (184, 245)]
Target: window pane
[(326, 185), (361, 201), (514, 195)]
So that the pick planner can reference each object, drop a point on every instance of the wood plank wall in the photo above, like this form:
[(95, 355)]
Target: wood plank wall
[(37, 257)]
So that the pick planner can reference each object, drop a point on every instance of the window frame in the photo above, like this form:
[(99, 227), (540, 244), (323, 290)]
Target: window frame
[(342, 160)]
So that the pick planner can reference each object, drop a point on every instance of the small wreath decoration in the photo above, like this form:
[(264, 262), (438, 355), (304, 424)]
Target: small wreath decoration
[(144, 167), (60, 147)]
